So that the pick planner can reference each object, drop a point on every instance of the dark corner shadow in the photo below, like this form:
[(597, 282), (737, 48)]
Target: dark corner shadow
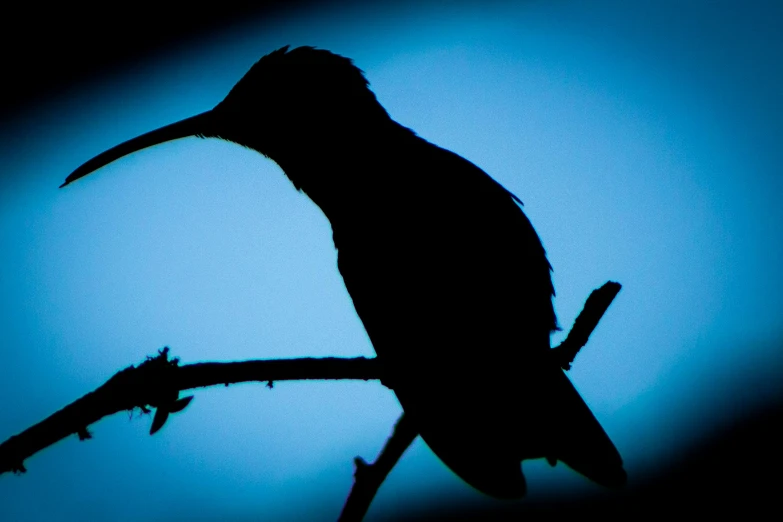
[(73, 43), (735, 472)]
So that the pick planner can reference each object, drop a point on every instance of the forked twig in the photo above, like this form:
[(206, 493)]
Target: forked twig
[(369, 477)]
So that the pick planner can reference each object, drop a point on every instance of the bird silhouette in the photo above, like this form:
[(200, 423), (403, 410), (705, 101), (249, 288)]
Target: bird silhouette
[(445, 271)]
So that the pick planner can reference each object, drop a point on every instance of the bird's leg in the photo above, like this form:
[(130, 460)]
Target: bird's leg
[(369, 477)]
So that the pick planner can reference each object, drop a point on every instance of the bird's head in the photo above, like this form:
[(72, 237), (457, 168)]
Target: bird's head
[(289, 102)]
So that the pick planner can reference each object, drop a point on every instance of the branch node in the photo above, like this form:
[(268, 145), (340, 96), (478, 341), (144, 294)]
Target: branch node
[(360, 465)]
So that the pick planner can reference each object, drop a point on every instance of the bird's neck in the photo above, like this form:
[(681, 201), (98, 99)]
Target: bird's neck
[(352, 176)]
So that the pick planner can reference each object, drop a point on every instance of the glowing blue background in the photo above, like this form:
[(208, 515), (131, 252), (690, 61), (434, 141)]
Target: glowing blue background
[(644, 139)]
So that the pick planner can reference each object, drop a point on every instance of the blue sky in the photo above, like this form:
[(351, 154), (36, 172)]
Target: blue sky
[(644, 139)]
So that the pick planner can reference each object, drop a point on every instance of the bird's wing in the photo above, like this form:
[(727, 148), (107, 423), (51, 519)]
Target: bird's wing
[(454, 289), (447, 249)]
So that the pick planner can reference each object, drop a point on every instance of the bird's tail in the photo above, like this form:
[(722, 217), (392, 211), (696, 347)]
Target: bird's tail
[(582, 443)]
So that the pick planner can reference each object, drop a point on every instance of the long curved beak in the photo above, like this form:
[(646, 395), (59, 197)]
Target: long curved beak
[(198, 125)]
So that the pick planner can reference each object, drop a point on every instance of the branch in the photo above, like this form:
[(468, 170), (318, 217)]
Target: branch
[(595, 308), (157, 383), (369, 477)]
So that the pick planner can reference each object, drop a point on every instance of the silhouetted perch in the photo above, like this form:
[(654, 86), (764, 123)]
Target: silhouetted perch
[(369, 477), (158, 381), (595, 307)]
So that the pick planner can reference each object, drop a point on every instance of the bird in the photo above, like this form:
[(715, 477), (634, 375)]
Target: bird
[(445, 271)]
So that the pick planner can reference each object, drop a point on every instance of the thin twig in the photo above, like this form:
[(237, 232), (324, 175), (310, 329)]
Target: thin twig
[(369, 477), (595, 308)]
